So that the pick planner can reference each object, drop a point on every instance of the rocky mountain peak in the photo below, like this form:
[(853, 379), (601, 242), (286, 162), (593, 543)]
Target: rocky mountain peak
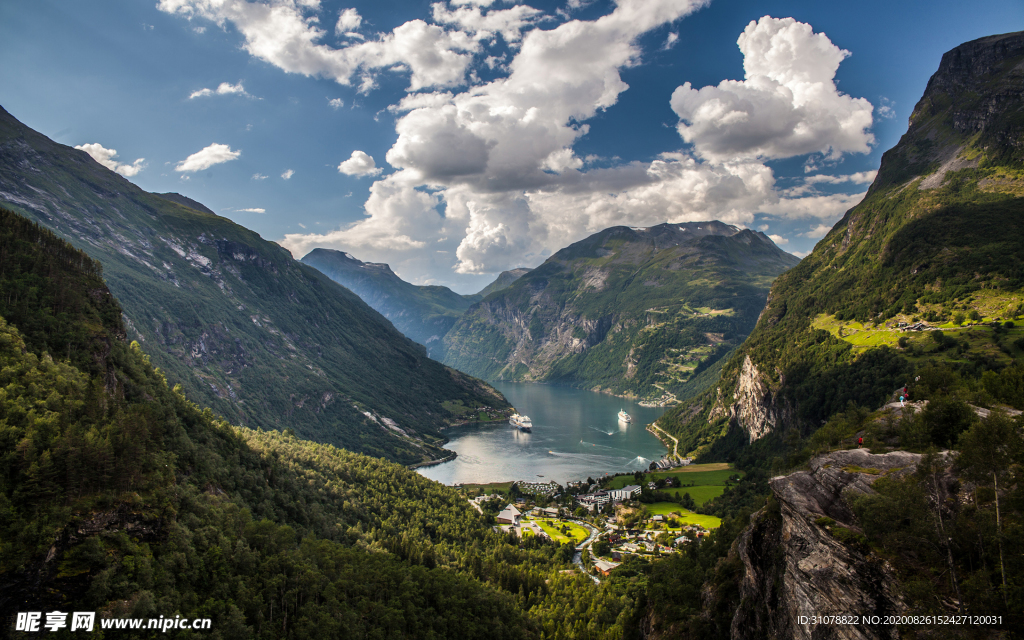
[(970, 65), (971, 111)]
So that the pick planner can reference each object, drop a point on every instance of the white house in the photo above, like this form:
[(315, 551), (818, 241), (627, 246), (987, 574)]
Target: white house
[(510, 515)]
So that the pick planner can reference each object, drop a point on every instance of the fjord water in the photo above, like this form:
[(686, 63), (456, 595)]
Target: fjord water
[(576, 434)]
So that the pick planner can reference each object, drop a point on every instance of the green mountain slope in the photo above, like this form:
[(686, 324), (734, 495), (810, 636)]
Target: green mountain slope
[(936, 246), (118, 495), (423, 314), (259, 337), (503, 281), (631, 311)]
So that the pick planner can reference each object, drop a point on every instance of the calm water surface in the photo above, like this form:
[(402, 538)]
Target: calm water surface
[(575, 434)]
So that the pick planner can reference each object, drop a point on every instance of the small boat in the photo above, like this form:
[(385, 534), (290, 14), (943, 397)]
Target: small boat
[(624, 417)]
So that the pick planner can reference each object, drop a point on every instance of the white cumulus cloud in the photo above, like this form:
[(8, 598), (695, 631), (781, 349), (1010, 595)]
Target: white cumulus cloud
[(508, 22), (286, 35), (207, 157), (348, 20), (487, 177), (786, 105), (287, 175), (107, 157), (223, 89), (359, 164), (336, 103)]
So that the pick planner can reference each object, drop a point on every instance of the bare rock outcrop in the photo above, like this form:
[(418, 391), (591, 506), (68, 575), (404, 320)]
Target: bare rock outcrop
[(800, 561), (753, 408)]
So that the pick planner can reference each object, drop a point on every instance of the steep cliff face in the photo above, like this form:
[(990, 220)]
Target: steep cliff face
[(938, 237), (634, 311), (257, 336), (800, 559)]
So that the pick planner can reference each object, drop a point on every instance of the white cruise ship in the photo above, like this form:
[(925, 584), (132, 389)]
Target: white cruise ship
[(523, 423), (623, 416)]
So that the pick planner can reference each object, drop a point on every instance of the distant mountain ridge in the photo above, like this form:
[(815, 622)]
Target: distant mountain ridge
[(635, 311), (259, 337), (935, 244), (503, 281), (422, 313)]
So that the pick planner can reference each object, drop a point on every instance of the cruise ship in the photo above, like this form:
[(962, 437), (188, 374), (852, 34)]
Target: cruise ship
[(624, 416), (522, 423)]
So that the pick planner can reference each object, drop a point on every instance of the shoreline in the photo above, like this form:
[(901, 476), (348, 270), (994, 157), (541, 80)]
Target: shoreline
[(662, 435), (430, 463)]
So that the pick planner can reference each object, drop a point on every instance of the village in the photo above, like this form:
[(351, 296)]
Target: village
[(642, 515)]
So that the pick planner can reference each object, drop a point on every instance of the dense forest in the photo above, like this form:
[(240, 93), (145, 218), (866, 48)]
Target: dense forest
[(120, 495)]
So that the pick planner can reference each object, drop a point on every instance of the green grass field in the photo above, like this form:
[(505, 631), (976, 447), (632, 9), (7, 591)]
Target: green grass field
[(551, 527), (714, 474), (686, 517), (487, 489), (700, 494), (708, 480)]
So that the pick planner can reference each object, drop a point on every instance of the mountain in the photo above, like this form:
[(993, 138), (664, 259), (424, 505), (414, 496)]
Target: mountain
[(422, 313), (121, 496), (636, 311), (925, 271), (259, 337), (503, 281)]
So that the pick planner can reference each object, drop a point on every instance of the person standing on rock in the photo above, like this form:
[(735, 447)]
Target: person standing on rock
[(901, 401), (860, 441)]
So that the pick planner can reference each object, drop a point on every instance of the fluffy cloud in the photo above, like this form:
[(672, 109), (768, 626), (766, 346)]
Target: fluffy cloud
[(359, 164), (223, 89), (106, 157), (286, 36), (779, 240), (348, 20), (254, 210), (787, 104), (336, 103), (258, 176), (206, 158), (820, 231), (487, 178), (508, 22), (287, 175)]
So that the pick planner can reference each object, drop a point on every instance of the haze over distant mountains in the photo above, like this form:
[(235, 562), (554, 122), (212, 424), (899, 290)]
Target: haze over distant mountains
[(247, 330), (422, 313), (636, 311)]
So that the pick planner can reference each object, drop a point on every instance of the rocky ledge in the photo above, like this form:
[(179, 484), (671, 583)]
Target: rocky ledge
[(801, 560)]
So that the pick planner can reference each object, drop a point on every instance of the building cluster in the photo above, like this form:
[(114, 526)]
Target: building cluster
[(636, 542), (598, 499), (549, 489)]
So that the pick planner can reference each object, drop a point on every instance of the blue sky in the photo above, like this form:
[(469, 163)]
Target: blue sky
[(457, 139)]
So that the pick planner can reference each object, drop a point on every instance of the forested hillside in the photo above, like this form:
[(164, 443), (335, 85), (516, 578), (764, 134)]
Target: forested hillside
[(631, 311), (926, 268), (257, 336), (118, 494)]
